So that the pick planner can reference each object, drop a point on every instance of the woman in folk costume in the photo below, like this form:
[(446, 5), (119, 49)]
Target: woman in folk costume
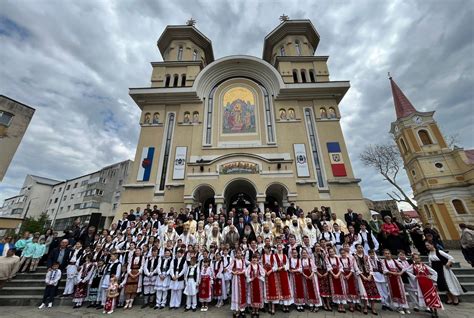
[(425, 276), (408, 281), (393, 272), (441, 262), (322, 275), (255, 277), (95, 284), (349, 267), (134, 278), (310, 281), (111, 296), (286, 298), (71, 269), (272, 292), (296, 280), (84, 278), (205, 282), (150, 274), (162, 282), (218, 287), (239, 285), (337, 282), (367, 289), (191, 281)]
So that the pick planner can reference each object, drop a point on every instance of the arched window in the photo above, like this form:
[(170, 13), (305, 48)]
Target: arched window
[(167, 80), (195, 55), (147, 119), (282, 51), (196, 117), (403, 146), (322, 113), (312, 78), (156, 118), (183, 80), (291, 114), (175, 80), (295, 76), (298, 47), (180, 54), (332, 112), (303, 76), (187, 118), (459, 206), (282, 113), (424, 137)]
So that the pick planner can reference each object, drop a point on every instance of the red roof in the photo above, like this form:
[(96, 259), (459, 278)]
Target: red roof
[(403, 106), (470, 156), (411, 213)]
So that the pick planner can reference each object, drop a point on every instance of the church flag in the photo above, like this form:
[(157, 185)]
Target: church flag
[(146, 161), (337, 163)]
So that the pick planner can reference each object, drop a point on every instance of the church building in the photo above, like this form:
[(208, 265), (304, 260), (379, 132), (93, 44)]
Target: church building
[(242, 131)]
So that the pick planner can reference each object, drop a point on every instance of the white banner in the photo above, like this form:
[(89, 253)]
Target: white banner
[(179, 163), (302, 168)]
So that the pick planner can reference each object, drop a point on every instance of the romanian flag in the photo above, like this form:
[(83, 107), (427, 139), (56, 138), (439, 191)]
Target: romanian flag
[(337, 163), (146, 161)]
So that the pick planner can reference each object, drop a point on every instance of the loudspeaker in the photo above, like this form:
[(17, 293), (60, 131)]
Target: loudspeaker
[(95, 220)]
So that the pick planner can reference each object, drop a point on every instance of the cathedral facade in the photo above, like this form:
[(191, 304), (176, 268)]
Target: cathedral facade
[(242, 131)]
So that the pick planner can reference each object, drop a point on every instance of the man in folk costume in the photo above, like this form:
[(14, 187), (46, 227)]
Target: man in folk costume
[(327, 235), (226, 259), (338, 285), (239, 285), (177, 273), (150, 274), (281, 260), (162, 282), (86, 272), (338, 238), (322, 275), (367, 289), (133, 281), (71, 269), (95, 284), (191, 281), (425, 276), (349, 268), (250, 251), (367, 239), (310, 281), (218, 287), (205, 282), (393, 272), (113, 269), (296, 281), (255, 276)]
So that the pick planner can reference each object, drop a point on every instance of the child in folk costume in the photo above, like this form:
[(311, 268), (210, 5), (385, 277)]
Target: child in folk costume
[(218, 287), (286, 298), (84, 278), (425, 276), (379, 279), (150, 274), (133, 281), (111, 294), (322, 274), (337, 282), (393, 272), (227, 272), (239, 285), (408, 281), (296, 280), (163, 280), (191, 280), (95, 284), (255, 277), (349, 267), (52, 278), (272, 293), (310, 280), (367, 289), (113, 269), (71, 270), (121, 281), (205, 284), (177, 272)]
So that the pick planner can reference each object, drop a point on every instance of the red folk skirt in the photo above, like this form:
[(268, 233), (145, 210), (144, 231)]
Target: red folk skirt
[(337, 288), (351, 283), (256, 293), (205, 293), (324, 285), (272, 286), (371, 289), (285, 287), (430, 294), (298, 288), (217, 287)]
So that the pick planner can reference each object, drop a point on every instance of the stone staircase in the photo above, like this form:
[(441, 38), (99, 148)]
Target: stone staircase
[(26, 289)]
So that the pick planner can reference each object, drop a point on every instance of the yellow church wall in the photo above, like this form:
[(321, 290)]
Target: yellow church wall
[(439, 137), (448, 221)]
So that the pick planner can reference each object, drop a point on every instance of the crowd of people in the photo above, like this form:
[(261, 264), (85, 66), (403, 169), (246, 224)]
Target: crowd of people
[(254, 260)]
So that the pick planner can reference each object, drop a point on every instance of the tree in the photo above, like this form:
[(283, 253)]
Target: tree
[(385, 158), (33, 225)]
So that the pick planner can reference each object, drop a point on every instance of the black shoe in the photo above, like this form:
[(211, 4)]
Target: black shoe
[(194, 309), (156, 307), (99, 307), (186, 309)]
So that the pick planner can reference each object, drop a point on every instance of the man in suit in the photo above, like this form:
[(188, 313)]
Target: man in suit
[(240, 226), (209, 211), (61, 255), (246, 216), (350, 217), (197, 212)]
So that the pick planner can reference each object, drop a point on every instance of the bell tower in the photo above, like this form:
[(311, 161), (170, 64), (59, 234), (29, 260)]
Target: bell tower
[(441, 178)]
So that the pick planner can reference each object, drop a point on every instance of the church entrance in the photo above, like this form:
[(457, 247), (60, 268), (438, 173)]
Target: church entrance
[(204, 194), (240, 194)]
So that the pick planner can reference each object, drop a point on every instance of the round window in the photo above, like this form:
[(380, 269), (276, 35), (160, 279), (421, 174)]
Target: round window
[(439, 165)]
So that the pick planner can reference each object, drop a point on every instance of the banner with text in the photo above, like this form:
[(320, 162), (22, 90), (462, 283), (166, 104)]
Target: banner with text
[(301, 160), (179, 163)]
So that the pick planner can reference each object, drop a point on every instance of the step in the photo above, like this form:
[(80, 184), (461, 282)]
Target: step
[(10, 291), (463, 271), (465, 278), (29, 283)]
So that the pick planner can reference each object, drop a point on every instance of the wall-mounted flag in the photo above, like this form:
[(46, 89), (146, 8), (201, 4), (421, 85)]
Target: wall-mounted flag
[(302, 169), (146, 161), (179, 163), (337, 163)]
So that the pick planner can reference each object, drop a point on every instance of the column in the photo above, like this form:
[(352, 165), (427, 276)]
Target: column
[(261, 206)]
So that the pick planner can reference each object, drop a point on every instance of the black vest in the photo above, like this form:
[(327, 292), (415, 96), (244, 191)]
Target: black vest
[(178, 267), (370, 240)]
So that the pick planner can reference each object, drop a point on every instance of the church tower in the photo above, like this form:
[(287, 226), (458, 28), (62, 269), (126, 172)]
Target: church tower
[(442, 179)]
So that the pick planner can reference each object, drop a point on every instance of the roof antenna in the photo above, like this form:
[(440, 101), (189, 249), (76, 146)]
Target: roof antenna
[(284, 18), (191, 22)]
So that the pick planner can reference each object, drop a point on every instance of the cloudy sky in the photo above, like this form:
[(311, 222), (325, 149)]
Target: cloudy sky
[(75, 60)]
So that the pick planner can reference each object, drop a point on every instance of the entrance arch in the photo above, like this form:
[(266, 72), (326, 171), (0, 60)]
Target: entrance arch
[(276, 192), (204, 194), (240, 194)]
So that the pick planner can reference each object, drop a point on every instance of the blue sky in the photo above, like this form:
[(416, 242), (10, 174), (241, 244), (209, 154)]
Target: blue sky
[(74, 63)]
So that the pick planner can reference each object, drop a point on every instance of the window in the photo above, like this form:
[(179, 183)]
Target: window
[(195, 55), (209, 117), (180, 53), (322, 113), (183, 80), (295, 76), (17, 211), (54, 190), (75, 185), (424, 137), (303, 76), (61, 210), (68, 208), (413, 172), (268, 117), (167, 80), (77, 206), (282, 51), (169, 135), (6, 118), (120, 182), (312, 78), (175, 80), (56, 200), (50, 201), (72, 196), (459, 206), (298, 47), (64, 198), (403, 146), (439, 165), (332, 112), (83, 183), (60, 189), (68, 187), (114, 207), (314, 148)]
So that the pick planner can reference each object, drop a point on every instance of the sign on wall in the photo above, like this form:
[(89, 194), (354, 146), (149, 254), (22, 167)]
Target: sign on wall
[(146, 161), (238, 167), (302, 168), (179, 163), (337, 163)]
